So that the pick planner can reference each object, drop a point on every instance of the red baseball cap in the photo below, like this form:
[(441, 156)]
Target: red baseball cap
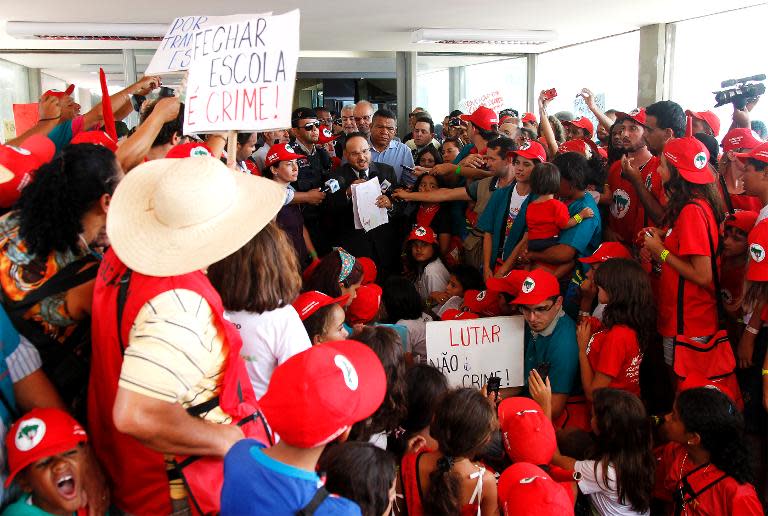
[(365, 307), (757, 266), (528, 117), (319, 393), (326, 135), (585, 147), (527, 432), (189, 150), (483, 302), (310, 302), (760, 153), (96, 138), (690, 157), (636, 115), (531, 150), (706, 116), (280, 152), (370, 271), (483, 117), (310, 270), (526, 490), (42, 432), (17, 165), (606, 251), (538, 286), (424, 234), (582, 122), (743, 220), (740, 138), (511, 283), (454, 314), (57, 93)]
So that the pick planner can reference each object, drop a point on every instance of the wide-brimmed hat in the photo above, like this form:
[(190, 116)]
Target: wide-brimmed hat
[(174, 216)]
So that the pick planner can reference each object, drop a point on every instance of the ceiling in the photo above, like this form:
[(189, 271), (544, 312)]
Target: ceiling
[(333, 32)]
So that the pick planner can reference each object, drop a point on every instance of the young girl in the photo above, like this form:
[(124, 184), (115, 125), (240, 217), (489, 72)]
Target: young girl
[(428, 157), (246, 145), (432, 214), (362, 473), (281, 166), (546, 216), (386, 344), (404, 307), (256, 284), (338, 274), (619, 476), (446, 481), (450, 149), (323, 316), (705, 469), (462, 278), (611, 356), (423, 265)]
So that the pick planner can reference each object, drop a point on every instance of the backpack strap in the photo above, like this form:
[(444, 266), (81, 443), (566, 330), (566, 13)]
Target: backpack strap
[(320, 495), (122, 297)]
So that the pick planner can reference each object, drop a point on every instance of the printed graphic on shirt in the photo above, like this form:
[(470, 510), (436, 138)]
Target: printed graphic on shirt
[(726, 296), (649, 183), (621, 203)]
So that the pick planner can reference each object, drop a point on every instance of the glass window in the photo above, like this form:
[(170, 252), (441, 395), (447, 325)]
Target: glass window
[(716, 48), (13, 90), (432, 93), (506, 76)]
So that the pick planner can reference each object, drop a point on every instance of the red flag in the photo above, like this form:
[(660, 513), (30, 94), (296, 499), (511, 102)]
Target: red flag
[(106, 107)]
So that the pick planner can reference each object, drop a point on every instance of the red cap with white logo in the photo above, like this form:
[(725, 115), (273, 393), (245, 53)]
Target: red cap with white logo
[(636, 115), (310, 302), (690, 157), (483, 117), (280, 152), (531, 150), (760, 153), (538, 286), (326, 135), (740, 138), (526, 490), (582, 122), (59, 94)]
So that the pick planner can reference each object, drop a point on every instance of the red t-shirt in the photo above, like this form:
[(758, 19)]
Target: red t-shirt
[(742, 202), (688, 237), (726, 496), (616, 353), (731, 282), (546, 219), (626, 216)]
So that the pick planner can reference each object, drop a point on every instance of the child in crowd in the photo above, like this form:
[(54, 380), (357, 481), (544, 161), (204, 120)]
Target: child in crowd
[(733, 265), (610, 353), (526, 490), (323, 316), (386, 344), (547, 216), (432, 214), (370, 271), (362, 473), (337, 274), (364, 309), (705, 469), (446, 481), (423, 265), (257, 283), (606, 251), (339, 384), (404, 307), (46, 456), (462, 278)]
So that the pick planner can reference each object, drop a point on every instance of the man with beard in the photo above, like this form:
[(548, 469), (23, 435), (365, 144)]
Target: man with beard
[(626, 214)]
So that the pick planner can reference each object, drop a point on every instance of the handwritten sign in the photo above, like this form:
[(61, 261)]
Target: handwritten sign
[(242, 75), (175, 51), (469, 351), (25, 116), (493, 100), (368, 216), (580, 108)]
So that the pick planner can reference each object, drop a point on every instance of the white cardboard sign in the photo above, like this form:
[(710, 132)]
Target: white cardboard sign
[(493, 100), (469, 351), (175, 51), (242, 75)]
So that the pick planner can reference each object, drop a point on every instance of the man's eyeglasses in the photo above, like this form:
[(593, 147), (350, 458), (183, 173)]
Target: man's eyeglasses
[(312, 125), (539, 310)]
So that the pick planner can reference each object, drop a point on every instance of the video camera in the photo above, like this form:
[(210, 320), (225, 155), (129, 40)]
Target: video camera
[(740, 91)]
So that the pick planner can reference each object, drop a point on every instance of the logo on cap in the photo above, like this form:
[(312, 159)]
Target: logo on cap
[(288, 147), (757, 252), (530, 480), (634, 112), (420, 231), (327, 133), (480, 296), (347, 370), (199, 151), (700, 160), (30, 433), (20, 150), (525, 146), (528, 285)]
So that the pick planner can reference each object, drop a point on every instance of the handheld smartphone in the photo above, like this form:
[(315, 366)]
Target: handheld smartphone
[(550, 94), (543, 369), (166, 92), (385, 186), (494, 384), (454, 122)]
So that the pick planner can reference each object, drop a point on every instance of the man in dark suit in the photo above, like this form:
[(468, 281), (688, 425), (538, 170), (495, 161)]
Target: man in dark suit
[(380, 244)]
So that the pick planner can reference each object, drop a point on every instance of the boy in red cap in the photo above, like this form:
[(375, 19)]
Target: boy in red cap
[(755, 179), (704, 122), (737, 141), (313, 399), (47, 458), (733, 263)]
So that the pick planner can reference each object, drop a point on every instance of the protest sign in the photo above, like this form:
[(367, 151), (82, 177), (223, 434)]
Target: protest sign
[(467, 352), (175, 51), (242, 75), (24, 116), (580, 108), (492, 100)]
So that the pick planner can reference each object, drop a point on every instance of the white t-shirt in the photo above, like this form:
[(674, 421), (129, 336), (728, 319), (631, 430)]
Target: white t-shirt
[(604, 496), (434, 279), (269, 339), (417, 335), (515, 203)]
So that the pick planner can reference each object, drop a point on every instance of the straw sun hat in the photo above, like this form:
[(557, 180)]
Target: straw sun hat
[(173, 216)]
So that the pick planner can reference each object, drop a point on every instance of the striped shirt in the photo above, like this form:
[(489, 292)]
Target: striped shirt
[(175, 352)]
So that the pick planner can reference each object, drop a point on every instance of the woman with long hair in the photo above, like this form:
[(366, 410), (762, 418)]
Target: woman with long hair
[(705, 469), (610, 353), (431, 214), (686, 254), (257, 284)]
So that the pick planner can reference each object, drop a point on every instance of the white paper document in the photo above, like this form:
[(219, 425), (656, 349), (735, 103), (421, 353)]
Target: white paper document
[(368, 216)]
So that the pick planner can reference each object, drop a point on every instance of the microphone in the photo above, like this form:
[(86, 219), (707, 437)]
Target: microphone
[(331, 186), (385, 185)]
